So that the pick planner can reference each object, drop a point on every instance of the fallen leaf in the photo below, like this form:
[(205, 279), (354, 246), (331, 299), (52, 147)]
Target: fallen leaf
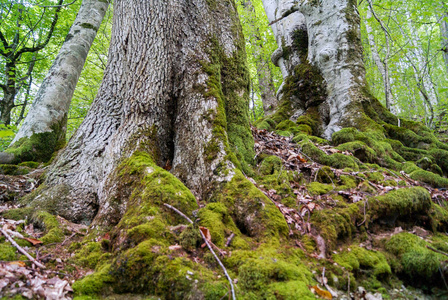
[(321, 293), (33, 241), (17, 263)]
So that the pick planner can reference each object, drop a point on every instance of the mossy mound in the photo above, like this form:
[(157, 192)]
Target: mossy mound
[(14, 170), (414, 260)]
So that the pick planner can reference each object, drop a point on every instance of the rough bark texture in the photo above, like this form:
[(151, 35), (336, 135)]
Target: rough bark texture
[(177, 89), (48, 114)]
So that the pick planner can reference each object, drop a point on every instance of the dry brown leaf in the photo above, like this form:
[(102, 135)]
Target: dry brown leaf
[(206, 233), (17, 263), (322, 293), (33, 241)]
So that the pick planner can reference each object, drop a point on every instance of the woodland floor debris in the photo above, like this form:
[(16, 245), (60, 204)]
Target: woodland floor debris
[(303, 191)]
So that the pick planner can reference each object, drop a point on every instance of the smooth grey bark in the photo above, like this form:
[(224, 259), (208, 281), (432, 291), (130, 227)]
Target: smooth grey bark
[(382, 64), (48, 113), (444, 34), (329, 32), (158, 96)]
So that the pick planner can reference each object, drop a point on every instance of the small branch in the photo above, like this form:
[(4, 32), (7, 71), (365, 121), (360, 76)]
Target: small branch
[(285, 14), (22, 250), (435, 250), (209, 247), (179, 212), (229, 240), (324, 282), (62, 5)]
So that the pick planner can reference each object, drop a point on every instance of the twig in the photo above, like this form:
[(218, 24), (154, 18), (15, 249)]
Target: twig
[(229, 240), (209, 247), (435, 250), (365, 217), (348, 285), (22, 250), (179, 212), (333, 293)]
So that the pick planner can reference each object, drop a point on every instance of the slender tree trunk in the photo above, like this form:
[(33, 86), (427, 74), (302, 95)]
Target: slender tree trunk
[(382, 65), (266, 85), (47, 119), (444, 34), (422, 66), (9, 93), (264, 75), (175, 89)]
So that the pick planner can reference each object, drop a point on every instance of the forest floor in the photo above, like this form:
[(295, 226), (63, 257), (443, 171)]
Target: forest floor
[(305, 192)]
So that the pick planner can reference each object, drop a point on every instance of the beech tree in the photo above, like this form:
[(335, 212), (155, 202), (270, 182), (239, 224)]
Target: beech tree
[(45, 125)]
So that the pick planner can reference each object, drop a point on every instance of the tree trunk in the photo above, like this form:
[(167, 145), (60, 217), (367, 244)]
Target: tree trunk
[(9, 93), (382, 65), (177, 89), (444, 34), (46, 121), (264, 75)]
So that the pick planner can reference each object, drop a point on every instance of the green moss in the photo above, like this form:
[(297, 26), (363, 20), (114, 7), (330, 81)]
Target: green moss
[(30, 164), (337, 160), (149, 186), (316, 188), (360, 150), (155, 228), (428, 177), (18, 213), (7, 252), (216, 218), (254, 214), (375, 176), (270, 165), (325, 175), (14, 170), (95, 283), (40, 146), (415, 260), (397, 204), (289, 290), (360, 258), (190, 238), (53, 231), (89, 255)]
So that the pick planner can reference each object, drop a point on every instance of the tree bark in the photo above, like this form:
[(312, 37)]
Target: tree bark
[(264, 75), (444, 34), (48, 113), (177, 89), (382, 65)]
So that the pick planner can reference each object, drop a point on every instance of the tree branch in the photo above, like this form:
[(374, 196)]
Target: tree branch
[(4, 42), (61, 5), (49, 35)]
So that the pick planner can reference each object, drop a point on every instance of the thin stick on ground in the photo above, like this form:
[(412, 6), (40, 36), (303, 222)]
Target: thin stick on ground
[(22, 250), (435, 250), (209, 247)]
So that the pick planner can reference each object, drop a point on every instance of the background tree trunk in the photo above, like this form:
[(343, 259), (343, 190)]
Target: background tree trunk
[(47, 119), (383, 65), (177, 89), (444, 34)]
